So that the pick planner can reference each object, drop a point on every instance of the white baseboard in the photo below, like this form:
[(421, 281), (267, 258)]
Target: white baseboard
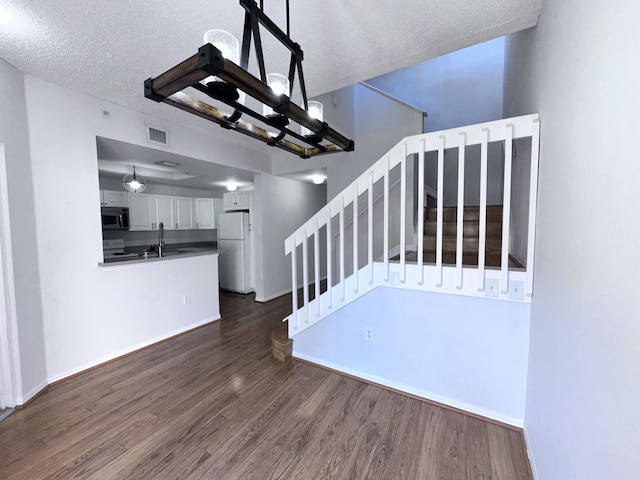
[(527, 444), (128, 350), (279, 294), (516, 422), (26, 396), (271, 297)]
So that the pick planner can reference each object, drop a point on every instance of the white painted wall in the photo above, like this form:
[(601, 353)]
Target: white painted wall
[(579, 70), (380, 123), (469, 353), (280, 207), (457, 89), (24, 248), (91, 314)]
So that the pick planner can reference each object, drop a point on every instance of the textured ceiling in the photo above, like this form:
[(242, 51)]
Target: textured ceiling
[(107, 48)]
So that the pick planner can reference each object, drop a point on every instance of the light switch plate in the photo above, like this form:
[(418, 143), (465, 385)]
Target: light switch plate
[(491, 287), (516, 290)]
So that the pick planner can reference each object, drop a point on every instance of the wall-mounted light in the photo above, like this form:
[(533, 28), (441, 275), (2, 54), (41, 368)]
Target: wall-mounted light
[(232, 187)]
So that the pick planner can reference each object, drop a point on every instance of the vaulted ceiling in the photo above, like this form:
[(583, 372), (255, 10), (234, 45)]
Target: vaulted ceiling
[(107, 48)]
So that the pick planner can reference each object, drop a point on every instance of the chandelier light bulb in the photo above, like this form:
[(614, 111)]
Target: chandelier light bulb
[(316, 110), (230, 49), (279, 84)]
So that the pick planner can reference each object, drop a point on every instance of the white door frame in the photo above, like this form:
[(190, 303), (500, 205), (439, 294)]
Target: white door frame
[(10, 378)]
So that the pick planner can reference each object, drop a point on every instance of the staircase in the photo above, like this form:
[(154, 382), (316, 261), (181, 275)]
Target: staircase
[(470, 241), (367, 235)]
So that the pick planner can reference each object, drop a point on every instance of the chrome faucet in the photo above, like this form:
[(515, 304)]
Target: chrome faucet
[(161, 240)]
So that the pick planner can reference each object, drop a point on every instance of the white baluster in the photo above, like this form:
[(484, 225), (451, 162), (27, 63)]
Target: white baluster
[(305, 274), (316, 264), (385, 225), (356, 273), (370, 225), (506, 209), (329, 262), (342, 283), (440, 211), (403, 216), (421, 180), (460, 217), (294, 283), (533, 199), (482, 237)]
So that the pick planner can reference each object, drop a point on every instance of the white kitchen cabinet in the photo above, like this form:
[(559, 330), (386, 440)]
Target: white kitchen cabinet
[(140, 207), (205, 213), (240, 200), (183, 213), (113, 198), (164, 212), (147, 211)]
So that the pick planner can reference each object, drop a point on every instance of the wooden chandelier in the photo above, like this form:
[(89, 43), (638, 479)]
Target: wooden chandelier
[(209, 60)]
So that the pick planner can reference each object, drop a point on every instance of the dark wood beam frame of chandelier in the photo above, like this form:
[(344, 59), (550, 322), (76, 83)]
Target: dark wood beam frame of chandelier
[(169, 86)]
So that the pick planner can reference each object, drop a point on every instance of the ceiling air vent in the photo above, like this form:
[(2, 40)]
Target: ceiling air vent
[(155, 135)]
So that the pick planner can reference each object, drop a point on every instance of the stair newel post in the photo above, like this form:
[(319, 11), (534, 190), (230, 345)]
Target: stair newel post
[(370, 225), (439, 227), (403, 214), (482, 236), (421, 180), (305, 273), (356, 273), (506, 209), (294, 283), (316, 263), (329, 261), (533, 200), (460, 214), (385, 221)]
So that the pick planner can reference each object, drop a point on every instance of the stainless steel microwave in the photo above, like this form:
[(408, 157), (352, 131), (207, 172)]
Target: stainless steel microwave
[(115, 218)]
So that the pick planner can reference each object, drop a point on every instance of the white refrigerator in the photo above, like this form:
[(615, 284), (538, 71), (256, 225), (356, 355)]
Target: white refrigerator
[(234, 262)]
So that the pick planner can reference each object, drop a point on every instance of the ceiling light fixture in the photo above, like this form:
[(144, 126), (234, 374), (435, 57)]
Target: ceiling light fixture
[(232, 187), (212, 60), (318, 179), (134, 183)]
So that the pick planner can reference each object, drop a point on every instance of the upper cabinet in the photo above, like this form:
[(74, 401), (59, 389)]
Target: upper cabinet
[(240, 200), (165, 212), (176, 213), (140, 207), (205, 213), (183, 209), (113, 198)]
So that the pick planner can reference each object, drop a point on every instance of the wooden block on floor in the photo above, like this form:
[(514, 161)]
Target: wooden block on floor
[(281, 345)]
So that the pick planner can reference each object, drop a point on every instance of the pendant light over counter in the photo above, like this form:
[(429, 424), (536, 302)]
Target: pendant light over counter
[(134, 183), (220, 70)]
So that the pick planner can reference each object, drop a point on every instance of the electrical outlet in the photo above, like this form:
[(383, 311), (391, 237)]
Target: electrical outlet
[(516, 290), (491, 287), (186, 298), (368, 334)]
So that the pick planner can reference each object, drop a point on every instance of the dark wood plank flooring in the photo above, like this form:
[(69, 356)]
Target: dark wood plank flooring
[(214, 404)]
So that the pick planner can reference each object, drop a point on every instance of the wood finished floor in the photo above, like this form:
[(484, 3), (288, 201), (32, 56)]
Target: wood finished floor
[(214, 404)]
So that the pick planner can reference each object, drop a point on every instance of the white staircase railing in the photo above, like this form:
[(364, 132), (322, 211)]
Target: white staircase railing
[(379, 199)]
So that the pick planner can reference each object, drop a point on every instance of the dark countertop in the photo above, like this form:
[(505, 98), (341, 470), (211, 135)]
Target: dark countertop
[(174, 251)]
